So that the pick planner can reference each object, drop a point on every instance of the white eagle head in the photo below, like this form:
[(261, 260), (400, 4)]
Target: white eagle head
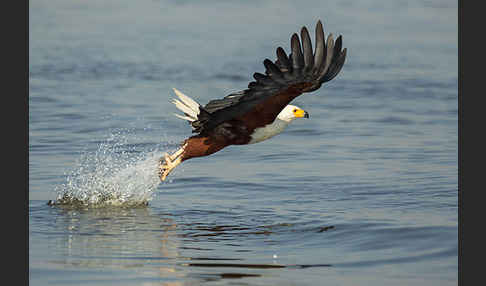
[(291, 112)]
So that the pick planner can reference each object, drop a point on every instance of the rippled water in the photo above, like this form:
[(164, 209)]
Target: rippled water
[(364, 192)]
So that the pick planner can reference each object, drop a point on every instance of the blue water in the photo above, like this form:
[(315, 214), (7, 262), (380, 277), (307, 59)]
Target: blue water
[(364, 192)]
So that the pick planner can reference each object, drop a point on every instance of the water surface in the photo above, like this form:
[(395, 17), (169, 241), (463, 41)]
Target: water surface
[(364, 192)]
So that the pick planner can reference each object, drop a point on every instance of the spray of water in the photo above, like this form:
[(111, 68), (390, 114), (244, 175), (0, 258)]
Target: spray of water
[(117, 173)]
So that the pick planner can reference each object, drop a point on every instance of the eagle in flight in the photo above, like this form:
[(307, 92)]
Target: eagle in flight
[(262, 110)]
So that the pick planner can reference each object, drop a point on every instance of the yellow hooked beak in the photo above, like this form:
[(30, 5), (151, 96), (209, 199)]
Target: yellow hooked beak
[(298, 113)]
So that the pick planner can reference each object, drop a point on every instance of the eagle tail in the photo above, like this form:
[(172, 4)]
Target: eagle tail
[(187, 105)]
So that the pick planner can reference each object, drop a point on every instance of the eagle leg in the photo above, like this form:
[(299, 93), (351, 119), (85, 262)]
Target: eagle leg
[(169, 162), (177, 153), (166, 167)]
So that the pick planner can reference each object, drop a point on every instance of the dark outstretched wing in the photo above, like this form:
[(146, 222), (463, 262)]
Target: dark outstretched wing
[(289, 76), (217, 104)]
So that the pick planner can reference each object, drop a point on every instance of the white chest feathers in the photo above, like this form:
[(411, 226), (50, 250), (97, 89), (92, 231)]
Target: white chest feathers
[(268, 131)]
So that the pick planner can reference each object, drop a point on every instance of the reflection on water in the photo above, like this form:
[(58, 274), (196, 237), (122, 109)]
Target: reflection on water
[(160, 247), (115, 237), (149, 243)]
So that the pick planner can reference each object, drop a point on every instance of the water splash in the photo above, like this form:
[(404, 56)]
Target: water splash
[(117, 173)]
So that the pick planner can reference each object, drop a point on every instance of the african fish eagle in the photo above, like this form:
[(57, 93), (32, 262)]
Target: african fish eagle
[(262, 110)]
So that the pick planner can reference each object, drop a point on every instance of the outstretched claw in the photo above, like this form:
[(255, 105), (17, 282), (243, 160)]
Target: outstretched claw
[(166, 165), (169, 162)]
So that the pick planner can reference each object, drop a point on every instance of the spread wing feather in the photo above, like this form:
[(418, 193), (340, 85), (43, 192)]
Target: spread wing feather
[(289, 76)]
